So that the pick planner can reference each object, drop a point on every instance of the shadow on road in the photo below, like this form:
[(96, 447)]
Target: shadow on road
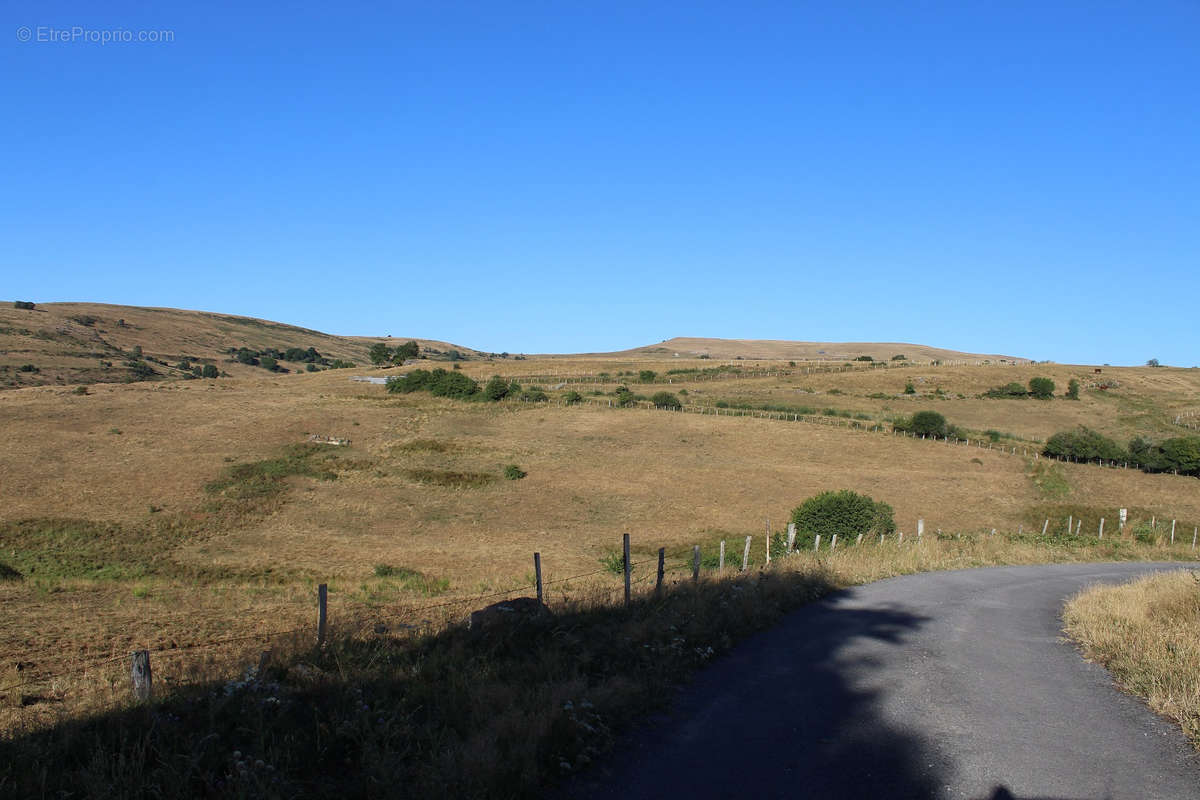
[(727, 736)]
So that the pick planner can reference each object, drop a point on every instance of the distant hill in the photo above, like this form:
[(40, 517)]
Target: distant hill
[(69, 343), (691, 347)]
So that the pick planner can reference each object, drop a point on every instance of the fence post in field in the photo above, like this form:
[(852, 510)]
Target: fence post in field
[(746, 554), (662, 554), (791, 537), (1172, 532), (1153, 523), (920, 527), (1122, 517), (858, 541), (721, 560), (1102, 527), (537, 570), (322, 612), (1194, 530), (993, 533), (900, 538), (140, 677), (1019, 529), (1045, 526), (1070, 524), (625, 563), (817, 544), (1078, 526), (833, 543), (881, 539)]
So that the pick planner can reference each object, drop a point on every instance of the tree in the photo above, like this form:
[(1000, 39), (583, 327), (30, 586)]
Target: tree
[(209, 371), (379, 353), (1084, 444), (843, 512), (495, 389), (909, 388), (929, 423), (409, 349), (647, 376), (24, 305), (1153, 363), (666, 400), (1041, 388), (1072, 389), (266, 362), (1181, 454)]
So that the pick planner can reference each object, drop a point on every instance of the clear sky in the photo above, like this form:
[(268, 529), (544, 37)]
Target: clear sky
[(1016, 177)]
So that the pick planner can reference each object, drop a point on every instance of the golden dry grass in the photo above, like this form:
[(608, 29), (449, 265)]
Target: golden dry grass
[(139, 457), (1147, 634)]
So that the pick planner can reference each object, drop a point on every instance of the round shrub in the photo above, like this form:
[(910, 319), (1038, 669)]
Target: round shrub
[(843, 512), (666, 400), (495, 389), (514, 473), (929, 423), (209, 371), (572, 397), (1041, 388)]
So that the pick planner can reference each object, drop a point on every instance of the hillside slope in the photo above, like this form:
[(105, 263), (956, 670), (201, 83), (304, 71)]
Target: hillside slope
[(92, 342), (834, 351)]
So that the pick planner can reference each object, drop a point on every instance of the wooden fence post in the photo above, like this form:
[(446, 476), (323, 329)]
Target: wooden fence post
[(140, 676), (900, 538), (746, 554), (662, 555), (322, 612), (537, 570), (920, 527), (1194, 530), (695, 563), (1102, 527), (791, 537), (721, 560), (817, 544), (858, 541), (625, 563), (1070, 524), (1045, 525), (1172, 533)]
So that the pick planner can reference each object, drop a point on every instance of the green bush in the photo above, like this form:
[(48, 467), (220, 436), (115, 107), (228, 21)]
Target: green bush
[(1041, 388), (439, 383), (899, 357), (1007, 390), (266, 362), (338, 363), (647, 376), (625, 397), (1083, 444), (925, 423), (909, 388), (572, 397), (209, 371), (535, 394), (411, 349), (495, 389), (864, 358), (24, 304), (379, 353), (28, 368), (514, 473), (843, 512), (665, 400), (311, 367), (1072, 389)]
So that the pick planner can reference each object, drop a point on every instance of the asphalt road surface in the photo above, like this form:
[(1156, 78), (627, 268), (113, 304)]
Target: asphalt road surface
[(943, 685)]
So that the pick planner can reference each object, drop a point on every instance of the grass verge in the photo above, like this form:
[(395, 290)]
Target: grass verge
[(1144, 633), (438, 707)]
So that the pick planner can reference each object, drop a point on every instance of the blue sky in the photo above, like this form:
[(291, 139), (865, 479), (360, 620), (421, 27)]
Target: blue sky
[(1020, 178)]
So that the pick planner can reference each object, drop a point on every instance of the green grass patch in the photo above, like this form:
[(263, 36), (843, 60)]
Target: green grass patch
[(1050, 480), (451, 479), (266, 478)]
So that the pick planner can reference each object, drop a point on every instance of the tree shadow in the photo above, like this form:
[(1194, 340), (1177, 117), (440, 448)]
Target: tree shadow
[(792, 712)]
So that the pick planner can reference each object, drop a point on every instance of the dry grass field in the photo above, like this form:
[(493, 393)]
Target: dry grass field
[(1145, 633), (171, 513)]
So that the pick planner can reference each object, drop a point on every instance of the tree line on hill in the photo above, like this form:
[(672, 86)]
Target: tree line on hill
[(1178, 454)]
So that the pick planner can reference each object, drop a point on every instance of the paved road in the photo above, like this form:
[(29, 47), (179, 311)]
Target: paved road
[(944, 685)]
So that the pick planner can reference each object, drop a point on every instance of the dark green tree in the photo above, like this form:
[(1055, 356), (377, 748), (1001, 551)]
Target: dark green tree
[(209, 371), (1072, 389), (379, 353), (1041, 388)]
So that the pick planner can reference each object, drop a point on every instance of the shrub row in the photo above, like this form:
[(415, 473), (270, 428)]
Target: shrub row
[(1178, 454)]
